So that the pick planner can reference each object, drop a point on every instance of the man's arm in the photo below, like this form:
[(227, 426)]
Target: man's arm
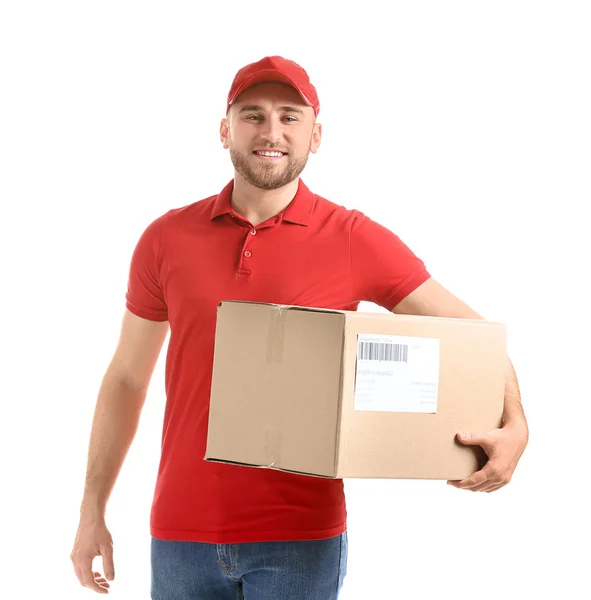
[(120, 401), (119, 404), (432, 299)]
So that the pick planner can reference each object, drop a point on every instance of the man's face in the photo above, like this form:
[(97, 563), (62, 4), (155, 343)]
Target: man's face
[(270, 117)]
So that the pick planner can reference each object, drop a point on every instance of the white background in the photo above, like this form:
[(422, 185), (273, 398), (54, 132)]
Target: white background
[(464, 127)]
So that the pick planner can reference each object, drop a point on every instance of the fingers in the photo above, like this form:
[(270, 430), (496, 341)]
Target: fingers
[(108, 564), (477, 481), (101, 580), (471, 482), (87, 578), (486, 480), (475, 439), (83, 568), (492, 488)]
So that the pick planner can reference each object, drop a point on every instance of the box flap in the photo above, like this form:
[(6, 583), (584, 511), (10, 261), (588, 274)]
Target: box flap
[(286, 306)]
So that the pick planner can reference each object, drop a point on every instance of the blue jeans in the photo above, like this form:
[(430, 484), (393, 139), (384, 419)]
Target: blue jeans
[(294, 570)]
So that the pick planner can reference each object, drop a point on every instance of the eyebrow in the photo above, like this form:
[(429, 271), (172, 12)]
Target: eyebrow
[(253, 107)]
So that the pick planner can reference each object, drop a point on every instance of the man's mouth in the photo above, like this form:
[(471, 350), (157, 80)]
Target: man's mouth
[(269, 154)]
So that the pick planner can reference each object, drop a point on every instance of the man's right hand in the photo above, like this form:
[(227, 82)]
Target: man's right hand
[(93, 539)]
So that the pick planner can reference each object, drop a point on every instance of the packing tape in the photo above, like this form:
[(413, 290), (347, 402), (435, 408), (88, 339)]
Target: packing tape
[(276, 335), (272, 448)]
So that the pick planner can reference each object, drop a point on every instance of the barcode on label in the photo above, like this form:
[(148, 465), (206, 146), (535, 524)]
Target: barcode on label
[(382, 351)]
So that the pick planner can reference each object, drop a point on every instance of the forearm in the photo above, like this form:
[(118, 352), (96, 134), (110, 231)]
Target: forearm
[(513, 414), (114, 426)]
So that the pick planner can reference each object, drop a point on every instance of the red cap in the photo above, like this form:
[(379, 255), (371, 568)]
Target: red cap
[(275, 68)]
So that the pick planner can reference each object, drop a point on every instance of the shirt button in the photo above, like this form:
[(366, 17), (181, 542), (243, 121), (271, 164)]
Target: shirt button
[(253, 232), (248, 254)]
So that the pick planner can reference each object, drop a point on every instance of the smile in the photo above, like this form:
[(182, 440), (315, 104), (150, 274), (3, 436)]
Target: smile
[(268, 155)]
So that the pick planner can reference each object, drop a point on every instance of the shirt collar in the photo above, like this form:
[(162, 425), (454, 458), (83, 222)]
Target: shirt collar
[(299, 210)]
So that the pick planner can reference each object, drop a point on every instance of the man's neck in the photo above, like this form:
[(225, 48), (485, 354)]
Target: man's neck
[(258, 205)]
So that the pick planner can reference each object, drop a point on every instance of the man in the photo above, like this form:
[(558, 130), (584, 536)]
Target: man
[(224, 531)]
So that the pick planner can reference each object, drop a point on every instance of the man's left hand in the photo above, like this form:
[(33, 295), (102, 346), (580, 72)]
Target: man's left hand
[(504, 448)]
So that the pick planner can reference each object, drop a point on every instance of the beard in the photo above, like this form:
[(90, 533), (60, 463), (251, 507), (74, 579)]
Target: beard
[(268, 176)]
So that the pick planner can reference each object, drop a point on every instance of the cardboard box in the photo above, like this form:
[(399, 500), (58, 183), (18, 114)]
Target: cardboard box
[(344, 394)]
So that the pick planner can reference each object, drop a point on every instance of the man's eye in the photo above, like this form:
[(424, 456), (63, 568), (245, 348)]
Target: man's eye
[(258, 118)]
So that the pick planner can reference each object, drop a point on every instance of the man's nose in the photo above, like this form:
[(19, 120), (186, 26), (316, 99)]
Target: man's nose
[(271, 130)]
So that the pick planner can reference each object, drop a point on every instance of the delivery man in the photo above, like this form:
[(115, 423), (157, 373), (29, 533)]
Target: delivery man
[(224, 531)]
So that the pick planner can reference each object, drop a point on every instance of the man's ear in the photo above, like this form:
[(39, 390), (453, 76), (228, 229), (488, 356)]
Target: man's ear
[(316, 137), (225, 133)]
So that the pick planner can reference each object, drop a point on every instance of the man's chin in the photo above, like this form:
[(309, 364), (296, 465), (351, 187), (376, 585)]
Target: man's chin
[(270, 185), (265, 182)]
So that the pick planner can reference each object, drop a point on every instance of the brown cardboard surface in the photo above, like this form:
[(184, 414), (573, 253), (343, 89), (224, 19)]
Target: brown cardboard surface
[(283, 391)]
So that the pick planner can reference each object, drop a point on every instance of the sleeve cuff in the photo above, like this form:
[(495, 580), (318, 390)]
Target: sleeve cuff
[(150, 315), (408, 286)]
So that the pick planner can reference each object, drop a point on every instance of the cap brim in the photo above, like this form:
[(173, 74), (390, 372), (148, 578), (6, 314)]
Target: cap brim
[(267, 75)]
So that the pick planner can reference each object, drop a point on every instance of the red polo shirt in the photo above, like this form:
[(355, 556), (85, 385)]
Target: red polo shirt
[(314, 253)]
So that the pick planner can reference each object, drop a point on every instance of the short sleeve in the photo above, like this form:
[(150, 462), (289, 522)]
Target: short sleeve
[(384, 269), (145, 296)]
